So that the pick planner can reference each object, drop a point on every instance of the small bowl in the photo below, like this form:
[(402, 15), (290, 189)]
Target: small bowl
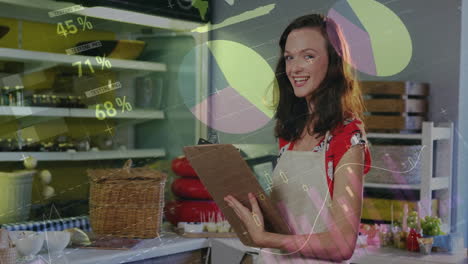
[(193, 227), (425, 248), (56, 241), (28, 243), (362, 240)]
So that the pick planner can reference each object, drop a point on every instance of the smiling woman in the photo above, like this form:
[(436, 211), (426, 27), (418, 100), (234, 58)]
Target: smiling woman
[(317, 184), (306, 60)]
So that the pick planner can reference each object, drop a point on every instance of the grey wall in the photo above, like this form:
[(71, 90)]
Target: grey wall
[(434, 26), (462, 133)]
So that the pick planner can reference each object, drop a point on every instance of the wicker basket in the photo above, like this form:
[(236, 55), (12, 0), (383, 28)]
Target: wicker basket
[(395, 164), (8, 255), (126, 202)]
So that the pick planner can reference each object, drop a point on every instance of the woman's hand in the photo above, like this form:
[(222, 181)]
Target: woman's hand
[(253, 220)]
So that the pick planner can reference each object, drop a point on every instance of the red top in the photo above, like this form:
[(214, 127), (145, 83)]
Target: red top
[(339, 141)]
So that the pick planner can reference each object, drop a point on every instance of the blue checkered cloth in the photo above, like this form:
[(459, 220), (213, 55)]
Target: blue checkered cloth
[(81, 222)]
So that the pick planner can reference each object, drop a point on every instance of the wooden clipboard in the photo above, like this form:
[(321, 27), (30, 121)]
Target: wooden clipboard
[(223, 171)]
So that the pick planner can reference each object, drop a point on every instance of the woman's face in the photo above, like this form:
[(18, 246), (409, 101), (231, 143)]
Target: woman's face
[(306, 60)]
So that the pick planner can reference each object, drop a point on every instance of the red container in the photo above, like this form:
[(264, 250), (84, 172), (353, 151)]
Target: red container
[(190, 188), (181, 167), (412, 240), (189, 211)]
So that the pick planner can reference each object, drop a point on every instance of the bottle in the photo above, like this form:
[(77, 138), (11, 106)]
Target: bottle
[(35, 100), (19, 95), (10, 146), (70, 101), (73, 102), (404, 225), (80, 103), (2, 101), (412, 240), (55, 102), (43, 101), (7, 95)]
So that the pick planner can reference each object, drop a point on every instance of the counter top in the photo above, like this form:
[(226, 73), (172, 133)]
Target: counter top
[(384, 255), (230, 248), (166, 244)]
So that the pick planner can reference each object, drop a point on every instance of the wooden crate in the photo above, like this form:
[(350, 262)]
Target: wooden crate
[(402, 105), (390, 122), (395, 106), (379, 209), (395, 88)]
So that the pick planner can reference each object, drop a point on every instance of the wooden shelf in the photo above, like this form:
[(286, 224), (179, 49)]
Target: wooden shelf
[(384, 255), (82, 156), (392, 186), (68, 60), (394, 136), (438, 133), (433, 178), (438, 183), (21, 111), (114, 18)]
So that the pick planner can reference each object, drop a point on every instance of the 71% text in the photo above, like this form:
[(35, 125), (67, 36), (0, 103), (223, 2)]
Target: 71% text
[(105, 63)]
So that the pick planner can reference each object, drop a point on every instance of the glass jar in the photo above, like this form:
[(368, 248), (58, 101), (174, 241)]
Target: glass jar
[(54, 101), (36, 100)]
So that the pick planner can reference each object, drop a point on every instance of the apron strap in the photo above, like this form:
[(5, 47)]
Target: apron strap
[(324, 162)]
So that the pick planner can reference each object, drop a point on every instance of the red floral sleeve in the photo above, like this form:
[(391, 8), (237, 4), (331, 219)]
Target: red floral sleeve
[(346, 136), (282, 142)]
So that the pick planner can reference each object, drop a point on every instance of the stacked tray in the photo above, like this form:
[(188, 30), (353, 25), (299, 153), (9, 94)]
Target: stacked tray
[(395, 164), (395, 106)]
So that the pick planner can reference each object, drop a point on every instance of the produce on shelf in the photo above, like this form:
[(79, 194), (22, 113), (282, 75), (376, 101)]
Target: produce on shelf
[(30, 163), (78, 237), (48, 192), (412, 220), (431, 226), (46, 176)]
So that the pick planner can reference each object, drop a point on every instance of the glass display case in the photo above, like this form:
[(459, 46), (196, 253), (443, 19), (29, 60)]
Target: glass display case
[(86, 86)]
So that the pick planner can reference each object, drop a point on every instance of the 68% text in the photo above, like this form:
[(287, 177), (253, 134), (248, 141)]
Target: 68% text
[(109, 109)]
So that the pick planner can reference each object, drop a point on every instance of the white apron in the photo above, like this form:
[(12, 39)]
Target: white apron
[(301, 194)]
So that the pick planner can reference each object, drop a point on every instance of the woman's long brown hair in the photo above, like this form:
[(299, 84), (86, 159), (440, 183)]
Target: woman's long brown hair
[(338, 96)]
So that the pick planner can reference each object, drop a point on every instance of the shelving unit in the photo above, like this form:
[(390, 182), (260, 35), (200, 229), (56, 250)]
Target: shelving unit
[(83, 156), (394, 136), (436, 169), (126, 25), (38, 11), (36, 111), (437, 184), (68, 60)]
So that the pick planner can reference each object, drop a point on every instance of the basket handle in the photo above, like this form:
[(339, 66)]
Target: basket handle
[(127, 165), (10, 242)]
